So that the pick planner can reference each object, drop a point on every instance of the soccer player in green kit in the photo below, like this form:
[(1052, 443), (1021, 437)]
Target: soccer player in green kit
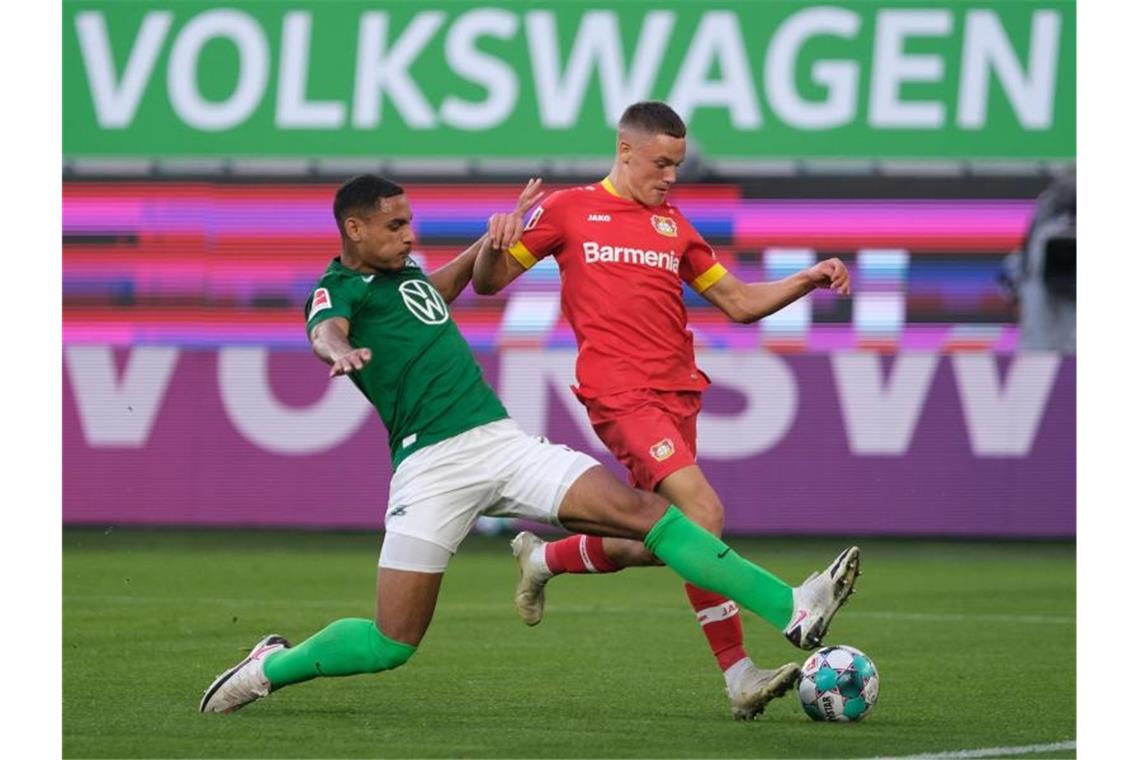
[(376, 317)]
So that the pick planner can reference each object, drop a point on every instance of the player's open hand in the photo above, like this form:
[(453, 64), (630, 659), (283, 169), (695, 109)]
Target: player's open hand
[(351, 362), (831, 274), (530, 195), (505, 229)]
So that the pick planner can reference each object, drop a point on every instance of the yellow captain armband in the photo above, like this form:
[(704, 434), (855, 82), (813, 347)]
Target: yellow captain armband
[(711, 277), (523, 256)]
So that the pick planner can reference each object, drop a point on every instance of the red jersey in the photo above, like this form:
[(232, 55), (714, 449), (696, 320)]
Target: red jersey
[(622, 266)]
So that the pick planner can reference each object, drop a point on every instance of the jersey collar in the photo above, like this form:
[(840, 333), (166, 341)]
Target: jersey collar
[(608, 186)]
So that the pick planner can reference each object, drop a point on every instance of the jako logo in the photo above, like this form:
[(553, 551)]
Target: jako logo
[(596, 253), (598, 218)]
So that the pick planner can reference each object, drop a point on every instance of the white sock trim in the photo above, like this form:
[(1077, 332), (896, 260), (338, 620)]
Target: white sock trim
[(585, 555), (717, 613)]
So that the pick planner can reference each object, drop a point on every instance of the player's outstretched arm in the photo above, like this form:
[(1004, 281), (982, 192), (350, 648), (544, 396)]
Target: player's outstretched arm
[(495, 268), (451, 278), (749, 302), (330, 344)]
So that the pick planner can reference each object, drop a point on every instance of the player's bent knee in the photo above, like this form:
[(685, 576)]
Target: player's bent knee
[(708, 514), (640, 510)]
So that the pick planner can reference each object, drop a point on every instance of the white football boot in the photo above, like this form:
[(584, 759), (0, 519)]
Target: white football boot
[(756, 688), (817, 599), (244, 682), (530, 592)]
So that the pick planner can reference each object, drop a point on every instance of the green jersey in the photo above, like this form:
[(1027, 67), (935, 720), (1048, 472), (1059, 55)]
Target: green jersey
[(423, 379)]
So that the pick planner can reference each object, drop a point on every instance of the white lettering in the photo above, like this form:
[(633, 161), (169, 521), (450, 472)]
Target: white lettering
[(495, 76), (115, 104), (381, 70), (892, 67), (717, 40), (119, 413), (596, 46), (252, 407), (525, 379), (986, 47), (839, 78), (1004, 422), (253, 69), (594, 253), (772, 395), (880, 415), (293, 110)]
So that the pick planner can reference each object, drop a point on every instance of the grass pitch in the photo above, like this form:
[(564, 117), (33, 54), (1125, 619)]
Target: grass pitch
[(976, 645)]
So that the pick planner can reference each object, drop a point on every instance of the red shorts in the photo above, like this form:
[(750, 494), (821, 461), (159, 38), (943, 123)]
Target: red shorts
[(652, 433)]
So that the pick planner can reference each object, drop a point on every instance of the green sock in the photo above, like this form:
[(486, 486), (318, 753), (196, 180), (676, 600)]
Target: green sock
[(705, 561), (343, 648)]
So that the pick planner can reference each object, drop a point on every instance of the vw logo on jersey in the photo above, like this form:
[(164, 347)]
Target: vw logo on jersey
[(424, 301)]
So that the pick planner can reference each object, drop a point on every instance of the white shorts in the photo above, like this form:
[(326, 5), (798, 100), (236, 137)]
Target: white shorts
[(495, 469)]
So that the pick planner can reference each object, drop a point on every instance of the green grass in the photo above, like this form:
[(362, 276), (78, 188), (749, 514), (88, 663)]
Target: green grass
[(976, 644)]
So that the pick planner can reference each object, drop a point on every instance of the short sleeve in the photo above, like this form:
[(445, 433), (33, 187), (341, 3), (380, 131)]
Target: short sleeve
[(699, 266), (332, 297), (542, 236)]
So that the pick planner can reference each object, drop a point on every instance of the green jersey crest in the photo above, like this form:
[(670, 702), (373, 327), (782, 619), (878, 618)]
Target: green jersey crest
[(423, 379)]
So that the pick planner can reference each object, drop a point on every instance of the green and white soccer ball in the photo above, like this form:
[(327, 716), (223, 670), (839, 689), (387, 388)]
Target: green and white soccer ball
[(839, 683)]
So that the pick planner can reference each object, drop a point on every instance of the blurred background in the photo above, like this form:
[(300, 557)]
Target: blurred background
[(931, 146)]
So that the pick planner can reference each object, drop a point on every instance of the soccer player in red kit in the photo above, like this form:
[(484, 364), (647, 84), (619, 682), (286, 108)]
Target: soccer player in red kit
[(624, 254)]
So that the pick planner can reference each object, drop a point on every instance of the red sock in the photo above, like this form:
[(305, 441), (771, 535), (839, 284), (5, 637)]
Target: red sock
[(720, 622), (578, 554)]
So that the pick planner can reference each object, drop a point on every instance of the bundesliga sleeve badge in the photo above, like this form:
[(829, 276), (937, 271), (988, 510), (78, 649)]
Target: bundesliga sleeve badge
[(664, 225), (321, 301)]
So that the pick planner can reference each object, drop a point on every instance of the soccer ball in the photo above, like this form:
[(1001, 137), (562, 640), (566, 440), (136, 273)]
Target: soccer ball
[(839, 683)]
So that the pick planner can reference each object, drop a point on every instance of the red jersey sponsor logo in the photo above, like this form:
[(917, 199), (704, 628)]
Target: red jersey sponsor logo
[(596, 253), (646, 342), (664, 225), (662, 450)]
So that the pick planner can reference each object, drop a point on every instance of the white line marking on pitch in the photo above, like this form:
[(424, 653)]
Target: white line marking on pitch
[(1027, 749), (963, 617)]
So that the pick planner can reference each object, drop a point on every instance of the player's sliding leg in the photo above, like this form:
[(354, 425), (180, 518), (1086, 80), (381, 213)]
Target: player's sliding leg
[(598, 503), (405, 602), (749, 687), (803, 613)]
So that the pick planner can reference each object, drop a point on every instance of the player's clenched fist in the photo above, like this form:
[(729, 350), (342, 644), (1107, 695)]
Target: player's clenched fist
[(831, 274), (352, 361)]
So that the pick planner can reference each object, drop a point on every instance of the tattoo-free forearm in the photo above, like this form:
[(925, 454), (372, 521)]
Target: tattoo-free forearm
[(765, 298), (451, 278), (490, 271), (330, 340)]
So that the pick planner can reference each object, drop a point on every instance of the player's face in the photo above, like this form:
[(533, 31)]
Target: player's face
[(651, 163), (383, 238)]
